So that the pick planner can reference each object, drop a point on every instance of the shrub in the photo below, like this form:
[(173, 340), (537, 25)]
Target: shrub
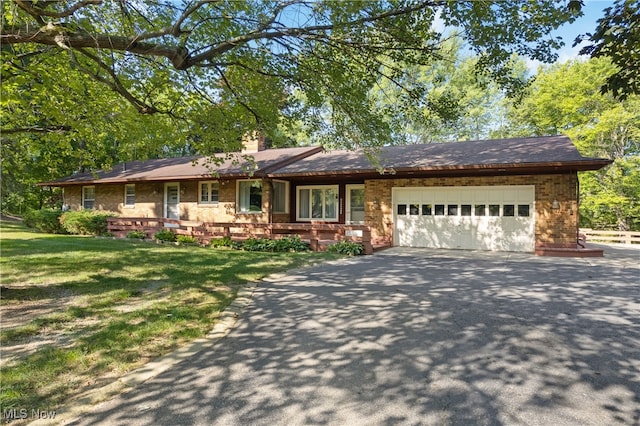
[(165, 235), (86, 222), (224, 242), (286, 244), (186, 239), (256, 244), (45, 220), (293, 244), (141, 235), (349, 248)]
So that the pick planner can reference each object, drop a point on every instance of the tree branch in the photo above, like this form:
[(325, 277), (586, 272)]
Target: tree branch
[(36, 129), (58, 35), (256, 116), (115, 84), (34, 14), (176, 29), (33, 10), (52, 35)]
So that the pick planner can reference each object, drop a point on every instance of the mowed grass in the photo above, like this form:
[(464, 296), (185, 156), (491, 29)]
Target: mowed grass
[(111, 304)]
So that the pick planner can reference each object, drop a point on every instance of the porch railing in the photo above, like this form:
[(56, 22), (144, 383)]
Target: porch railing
[(319, 235)]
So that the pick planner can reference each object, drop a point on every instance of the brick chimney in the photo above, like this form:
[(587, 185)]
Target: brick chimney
[(253, 142)]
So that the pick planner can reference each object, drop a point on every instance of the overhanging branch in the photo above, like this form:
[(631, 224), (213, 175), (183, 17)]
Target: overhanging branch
[(36, 129), (55, 34)]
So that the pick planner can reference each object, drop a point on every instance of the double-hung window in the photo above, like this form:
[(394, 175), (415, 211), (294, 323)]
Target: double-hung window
[(208, 192), (88, 197), (318, 203), (249, 196), (130, 195)]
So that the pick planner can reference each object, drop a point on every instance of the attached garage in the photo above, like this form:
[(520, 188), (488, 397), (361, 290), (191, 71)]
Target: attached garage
[(472, 217), (516, 194)]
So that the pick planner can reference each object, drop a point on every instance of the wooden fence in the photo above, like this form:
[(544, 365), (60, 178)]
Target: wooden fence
[(319, 235), (624, 237)]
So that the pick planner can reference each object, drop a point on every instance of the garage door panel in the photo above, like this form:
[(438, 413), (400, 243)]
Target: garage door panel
[(461, 218)]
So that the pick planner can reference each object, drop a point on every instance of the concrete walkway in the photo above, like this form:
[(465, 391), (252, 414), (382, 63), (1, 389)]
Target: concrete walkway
[(412, 336)]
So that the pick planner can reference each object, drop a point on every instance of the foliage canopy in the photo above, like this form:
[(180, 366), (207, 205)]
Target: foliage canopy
[(617, 37), (566, 98), (226, 68)]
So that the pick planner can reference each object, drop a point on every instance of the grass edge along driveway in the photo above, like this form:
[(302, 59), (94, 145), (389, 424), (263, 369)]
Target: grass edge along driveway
[(78, 312)]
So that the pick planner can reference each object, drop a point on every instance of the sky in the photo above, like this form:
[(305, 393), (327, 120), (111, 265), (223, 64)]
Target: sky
[(593, 10)]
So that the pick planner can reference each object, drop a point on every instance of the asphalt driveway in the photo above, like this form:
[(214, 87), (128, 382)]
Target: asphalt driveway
[(412, 336)]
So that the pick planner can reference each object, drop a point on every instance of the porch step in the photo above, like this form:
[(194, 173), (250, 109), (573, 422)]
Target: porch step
[(559, 251)]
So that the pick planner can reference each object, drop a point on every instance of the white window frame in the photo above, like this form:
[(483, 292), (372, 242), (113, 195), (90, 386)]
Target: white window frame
[(210, 184), (85, 199), (323, 218), (347, 214), (286, 196), (239, 197), (127, 196)]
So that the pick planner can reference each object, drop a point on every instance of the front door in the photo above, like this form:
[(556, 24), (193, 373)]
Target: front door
[(172, 200), (355, 204)]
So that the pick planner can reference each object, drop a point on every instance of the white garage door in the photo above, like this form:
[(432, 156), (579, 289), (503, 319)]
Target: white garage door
[(471, 217)]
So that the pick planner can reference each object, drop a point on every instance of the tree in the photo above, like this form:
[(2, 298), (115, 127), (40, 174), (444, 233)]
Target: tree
[(617, 37), (232, 67), (459, 103), (59, 122), (566, 98)]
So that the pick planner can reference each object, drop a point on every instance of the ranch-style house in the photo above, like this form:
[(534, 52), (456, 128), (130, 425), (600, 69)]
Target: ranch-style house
[(516, 194)]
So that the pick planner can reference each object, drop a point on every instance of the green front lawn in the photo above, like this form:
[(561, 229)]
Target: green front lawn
[(91, 309)]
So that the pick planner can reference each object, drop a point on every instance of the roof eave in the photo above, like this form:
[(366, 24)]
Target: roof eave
[(473, 169), (121, 181)]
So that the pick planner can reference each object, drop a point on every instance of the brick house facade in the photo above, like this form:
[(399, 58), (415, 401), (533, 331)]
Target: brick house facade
[(307, 185)]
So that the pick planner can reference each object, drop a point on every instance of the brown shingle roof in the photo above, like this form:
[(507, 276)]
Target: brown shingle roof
[(183, 168), (536, 152), (517, 155)]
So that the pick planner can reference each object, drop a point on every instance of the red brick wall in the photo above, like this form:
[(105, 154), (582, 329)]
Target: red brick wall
[(555, 226), (150, 202)]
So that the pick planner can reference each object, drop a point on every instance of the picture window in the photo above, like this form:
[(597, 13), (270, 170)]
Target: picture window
[(318, 202), (249, 196)]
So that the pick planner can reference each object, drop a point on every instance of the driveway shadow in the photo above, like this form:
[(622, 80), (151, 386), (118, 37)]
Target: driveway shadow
[(416, 337)]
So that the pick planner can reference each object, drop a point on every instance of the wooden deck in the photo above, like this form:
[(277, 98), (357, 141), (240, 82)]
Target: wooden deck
[(319, 235)]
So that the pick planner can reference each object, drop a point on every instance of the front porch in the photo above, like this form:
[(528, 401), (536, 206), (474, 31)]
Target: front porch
[(319, 235)]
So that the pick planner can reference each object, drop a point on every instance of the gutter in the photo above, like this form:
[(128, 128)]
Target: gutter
[(535, 168)]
